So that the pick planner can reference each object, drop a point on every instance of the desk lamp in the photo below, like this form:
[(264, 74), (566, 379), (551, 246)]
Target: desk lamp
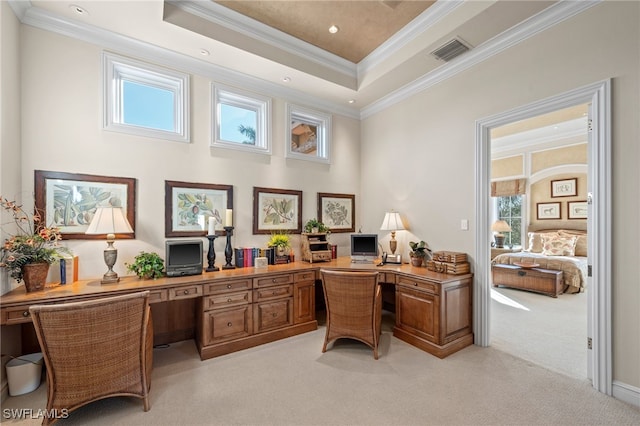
[(110, 221), (500, 226), (392, 222)]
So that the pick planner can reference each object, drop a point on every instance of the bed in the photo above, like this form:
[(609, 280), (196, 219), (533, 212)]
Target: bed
[(559, 250)]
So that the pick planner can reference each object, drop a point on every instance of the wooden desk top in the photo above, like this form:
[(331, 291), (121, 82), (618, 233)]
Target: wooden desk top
[(87, 289)]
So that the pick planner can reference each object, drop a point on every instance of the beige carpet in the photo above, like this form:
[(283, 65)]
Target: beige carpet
[(290, 382)]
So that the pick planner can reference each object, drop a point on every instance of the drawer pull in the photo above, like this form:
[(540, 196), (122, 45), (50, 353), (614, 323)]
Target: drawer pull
[(274, 314), (228, 285), (229, 324), (522, 273), (26, 314), (229, 300), (273, 293), (274, 280), (415, 283), (186, 292)]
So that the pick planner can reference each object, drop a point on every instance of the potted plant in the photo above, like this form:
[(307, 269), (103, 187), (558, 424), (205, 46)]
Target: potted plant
[(418, 253), (314, 225), (32, 249), (281, 242), (147, 266)]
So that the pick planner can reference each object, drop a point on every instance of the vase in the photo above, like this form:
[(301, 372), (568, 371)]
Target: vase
[(416, 261), (280, 251), (35, 275)]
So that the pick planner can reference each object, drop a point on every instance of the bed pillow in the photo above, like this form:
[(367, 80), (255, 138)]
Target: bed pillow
[(535, 241), (558, 245), (581, 243)]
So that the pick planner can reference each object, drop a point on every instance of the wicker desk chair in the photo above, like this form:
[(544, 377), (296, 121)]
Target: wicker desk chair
[(95, 349), (354, 307)]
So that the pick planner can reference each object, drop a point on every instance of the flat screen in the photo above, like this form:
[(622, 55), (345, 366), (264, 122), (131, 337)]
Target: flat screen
[(364, 245), (183, 253)]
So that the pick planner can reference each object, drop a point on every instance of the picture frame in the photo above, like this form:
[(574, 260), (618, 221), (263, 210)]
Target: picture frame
[(546, 211), (337, 211), (308, 134), (69, 201), (277, 210), (188, 206), (577, 209), (564, 188)]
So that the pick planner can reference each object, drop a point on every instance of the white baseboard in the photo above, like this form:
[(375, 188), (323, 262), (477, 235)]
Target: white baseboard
[(627, 393)]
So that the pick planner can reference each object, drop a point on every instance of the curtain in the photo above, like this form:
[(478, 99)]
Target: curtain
[(506, 188)]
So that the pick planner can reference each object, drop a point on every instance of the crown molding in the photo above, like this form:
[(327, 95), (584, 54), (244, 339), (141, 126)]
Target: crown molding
[(551, 16)]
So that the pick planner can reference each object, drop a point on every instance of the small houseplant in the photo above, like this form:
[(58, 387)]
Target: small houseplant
[(32, 249), (281, 242), (147, 266), (419, 252), (314, 225)]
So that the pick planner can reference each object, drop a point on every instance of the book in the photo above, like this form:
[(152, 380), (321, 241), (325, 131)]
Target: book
[(239, 258)]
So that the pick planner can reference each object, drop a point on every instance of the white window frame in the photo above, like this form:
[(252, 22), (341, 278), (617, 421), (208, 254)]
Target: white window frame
[(118, 69), (321, 121), (261, 105)]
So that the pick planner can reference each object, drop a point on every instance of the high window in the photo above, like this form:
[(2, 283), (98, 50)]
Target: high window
[(145, 100)]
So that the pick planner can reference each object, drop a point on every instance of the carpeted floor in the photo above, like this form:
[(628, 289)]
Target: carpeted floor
[(290, 382)]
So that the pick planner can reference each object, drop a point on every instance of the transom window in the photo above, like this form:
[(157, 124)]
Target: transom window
[(241, 120), (144, 99)]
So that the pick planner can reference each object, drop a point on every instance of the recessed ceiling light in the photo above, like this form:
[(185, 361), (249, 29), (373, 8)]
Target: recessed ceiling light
[(286, 79), (333, 29), (79, 10), (352, 101), (204, 52)]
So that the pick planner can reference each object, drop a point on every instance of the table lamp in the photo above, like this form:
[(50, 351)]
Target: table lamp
[(500, 226), (392, 222), (110, 221)]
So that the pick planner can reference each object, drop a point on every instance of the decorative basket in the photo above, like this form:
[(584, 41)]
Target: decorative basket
[(448, 267), (449, 256)]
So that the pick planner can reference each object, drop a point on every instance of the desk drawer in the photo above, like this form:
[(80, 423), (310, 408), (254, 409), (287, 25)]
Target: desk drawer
[(227, 286), (269, 293), (417, 283), (218, 301), (156, 296), (186, 292), (273, 280), (16, 315), (304, 276)]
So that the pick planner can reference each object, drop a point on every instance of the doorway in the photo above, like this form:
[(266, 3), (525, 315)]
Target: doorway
[(599, 226)]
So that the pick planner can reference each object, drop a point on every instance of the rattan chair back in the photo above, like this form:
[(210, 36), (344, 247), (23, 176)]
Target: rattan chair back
[(95, 349), (354, 307)]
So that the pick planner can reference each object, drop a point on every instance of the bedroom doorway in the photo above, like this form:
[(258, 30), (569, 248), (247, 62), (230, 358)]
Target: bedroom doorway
[(535, 151), (599, 332)]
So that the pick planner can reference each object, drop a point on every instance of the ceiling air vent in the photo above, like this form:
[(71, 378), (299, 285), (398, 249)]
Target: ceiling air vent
[(450, 50)]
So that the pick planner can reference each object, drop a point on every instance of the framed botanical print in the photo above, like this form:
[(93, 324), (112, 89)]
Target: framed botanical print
[(277, 210), (548, 211), (337, 211), (70, 200), (188, 207)]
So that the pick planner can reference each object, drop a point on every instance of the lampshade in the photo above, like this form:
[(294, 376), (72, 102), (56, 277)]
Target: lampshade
[(391, 222), (109, 220), (500, 226)]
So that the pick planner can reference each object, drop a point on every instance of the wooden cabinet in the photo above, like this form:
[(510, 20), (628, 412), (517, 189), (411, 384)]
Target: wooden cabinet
[(434, 314), (315, 247), (304, 297)]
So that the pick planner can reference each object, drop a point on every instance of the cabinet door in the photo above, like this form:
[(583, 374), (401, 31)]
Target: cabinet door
[(273, 314), (304, 301), (417, 313), (226, 324)]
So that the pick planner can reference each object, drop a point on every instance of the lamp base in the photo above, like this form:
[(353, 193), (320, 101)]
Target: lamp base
[(499, 241), (109, 280)]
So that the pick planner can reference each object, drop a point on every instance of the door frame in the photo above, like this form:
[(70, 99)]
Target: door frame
[(599, 224)]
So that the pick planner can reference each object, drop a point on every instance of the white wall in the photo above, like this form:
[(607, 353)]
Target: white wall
[(62, 132), (418, 155)]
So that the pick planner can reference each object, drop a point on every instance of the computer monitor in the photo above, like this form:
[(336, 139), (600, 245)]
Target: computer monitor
[(364, 247)]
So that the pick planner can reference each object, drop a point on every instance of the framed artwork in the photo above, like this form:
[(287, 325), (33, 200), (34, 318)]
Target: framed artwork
[(337, 211), (577, 209), (548, 211), (309, 134), (188, 207), (564, 188), (69, 201), (276, 210)]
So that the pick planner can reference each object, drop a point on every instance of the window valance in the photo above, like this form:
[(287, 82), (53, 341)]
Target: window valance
[(507, 188)]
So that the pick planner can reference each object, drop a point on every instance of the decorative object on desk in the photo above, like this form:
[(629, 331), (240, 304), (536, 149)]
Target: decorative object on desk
[(28, 254), (228, 250), (337, 211), (281, 242), (392, 222), (147, 266), (500, 226), (276, 210), (315, 226), (110, 221), (69, 201), (261, 262), (449, 262), (189, 208), (419, 252), (211, 254)]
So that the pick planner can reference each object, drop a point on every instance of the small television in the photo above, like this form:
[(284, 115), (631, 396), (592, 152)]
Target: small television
[(364, 247), (183, 257)]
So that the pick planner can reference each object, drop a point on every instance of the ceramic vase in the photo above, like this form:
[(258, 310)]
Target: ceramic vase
[(34, 275)]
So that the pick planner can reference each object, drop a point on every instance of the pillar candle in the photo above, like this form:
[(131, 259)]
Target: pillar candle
[(212, 226), (229, 218)]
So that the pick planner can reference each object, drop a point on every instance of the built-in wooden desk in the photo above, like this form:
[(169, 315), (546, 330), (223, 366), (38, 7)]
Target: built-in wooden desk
[(234, 309)]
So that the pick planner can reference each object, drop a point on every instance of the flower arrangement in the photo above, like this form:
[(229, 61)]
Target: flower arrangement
[(34, 242)]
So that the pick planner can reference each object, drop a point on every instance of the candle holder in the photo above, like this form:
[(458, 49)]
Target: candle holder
[(211, 255), (228, 251)]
